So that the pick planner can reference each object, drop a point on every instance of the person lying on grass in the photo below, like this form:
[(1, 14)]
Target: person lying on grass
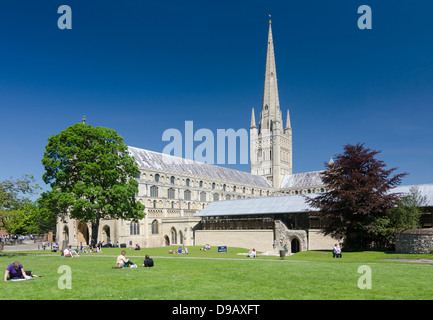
[(16, 271)]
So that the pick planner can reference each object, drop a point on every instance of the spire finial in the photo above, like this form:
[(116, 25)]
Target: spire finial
[(270, 19), (83, 120)]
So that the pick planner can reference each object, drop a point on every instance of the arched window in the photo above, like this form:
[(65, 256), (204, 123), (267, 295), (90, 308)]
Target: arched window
[(172, 180), (173, 235), (157, 177), (171, 193), (172, 204), (201, 184), (187, 182), (216, 197), (155, 227), (189, 205), (234, 188), (203, 196), (224, 187), (134, 228), (154, 203), (227, 197), (213, 186), (187, 195), (243, 189), (154, 191)]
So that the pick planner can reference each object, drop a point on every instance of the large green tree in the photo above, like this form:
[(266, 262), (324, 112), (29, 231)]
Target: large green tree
[(360, 194), (91, 175), (14, 199)]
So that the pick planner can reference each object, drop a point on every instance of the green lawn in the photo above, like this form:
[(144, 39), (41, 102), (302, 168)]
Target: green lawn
[(211, 275)]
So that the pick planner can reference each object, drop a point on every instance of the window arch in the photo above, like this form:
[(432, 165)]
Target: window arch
[(216, 197), (155, 227), (171, 193), (173, 235), (134, 228), (187, 182), (203, 196), (172, 179), (187, 195), (154, 191), (213, 185), (157, 177)]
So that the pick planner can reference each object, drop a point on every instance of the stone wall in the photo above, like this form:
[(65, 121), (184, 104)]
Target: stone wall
[(318, 241), (414, 241), (261, 240)]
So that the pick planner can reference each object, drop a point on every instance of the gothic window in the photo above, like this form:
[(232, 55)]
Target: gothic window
[(134, 228), (172, 204), (189, 206), (155, 227), (187, 182), (266, 107), (234, 188), (201, 184), (156, 177), (203, 196), (154, 204), (187, 195), (227, 197), (243, 189), (154, 191), (171, 193), (224, 187), (173, 235), (172, 180), (216, 197), (213, 186)]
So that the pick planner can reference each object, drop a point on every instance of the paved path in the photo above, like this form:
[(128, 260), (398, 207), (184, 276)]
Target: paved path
[(23, 247)]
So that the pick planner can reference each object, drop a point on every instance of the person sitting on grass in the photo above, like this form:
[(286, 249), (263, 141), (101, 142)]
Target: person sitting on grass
[(68, 252), (122, 261), (16, 271), (252, 253), (148, 262)]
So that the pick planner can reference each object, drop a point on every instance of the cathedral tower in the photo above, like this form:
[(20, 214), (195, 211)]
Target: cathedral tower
[(270, 143)]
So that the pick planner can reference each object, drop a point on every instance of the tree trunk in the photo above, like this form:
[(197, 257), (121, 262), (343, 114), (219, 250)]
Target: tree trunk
[(95, 229)]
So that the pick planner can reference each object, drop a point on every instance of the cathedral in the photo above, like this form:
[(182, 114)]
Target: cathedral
[(193, 203)]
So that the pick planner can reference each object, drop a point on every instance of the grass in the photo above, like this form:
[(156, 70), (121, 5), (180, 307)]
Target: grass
[(312, 275)]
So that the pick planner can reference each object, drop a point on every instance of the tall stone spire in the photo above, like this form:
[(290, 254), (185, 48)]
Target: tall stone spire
[(271, 142), (271, 103)]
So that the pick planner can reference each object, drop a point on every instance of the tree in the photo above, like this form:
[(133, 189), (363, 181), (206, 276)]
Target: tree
[(91, 175), (358, 197), (13, 197)]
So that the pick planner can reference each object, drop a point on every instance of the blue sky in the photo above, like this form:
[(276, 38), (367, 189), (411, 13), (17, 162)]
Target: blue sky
[(141, 67)]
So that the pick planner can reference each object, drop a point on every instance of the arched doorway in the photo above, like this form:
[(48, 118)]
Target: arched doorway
[(65, 236), (106, 235), (295, 245), (167, 240), (83, 234)]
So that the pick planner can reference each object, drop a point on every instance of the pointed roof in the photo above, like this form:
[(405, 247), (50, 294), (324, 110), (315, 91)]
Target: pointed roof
[(270, 90), (253, 120), (271, 112)]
